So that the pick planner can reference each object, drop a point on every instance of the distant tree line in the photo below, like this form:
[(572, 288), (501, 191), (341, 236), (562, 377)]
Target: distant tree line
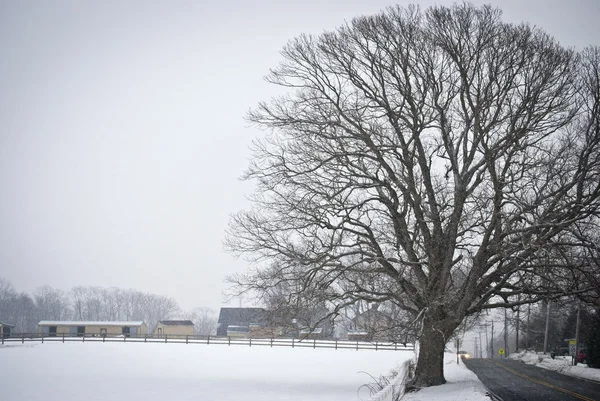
[(94, 304)]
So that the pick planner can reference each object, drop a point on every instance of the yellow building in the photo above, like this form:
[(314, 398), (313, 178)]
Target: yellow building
[(174, 328), (51, 328)]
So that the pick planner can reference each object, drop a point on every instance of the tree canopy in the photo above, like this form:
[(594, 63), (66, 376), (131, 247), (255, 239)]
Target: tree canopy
[(442, 160)]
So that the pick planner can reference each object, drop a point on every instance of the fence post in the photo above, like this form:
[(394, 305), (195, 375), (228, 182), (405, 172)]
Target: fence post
[(145, 337), (166, 338), (271, 342), (3, 340), (376, 345), (293, 339), (395, 346), (357, 345), (23, 339), (186, 338), (103, 338), (208, 340), (228, 340), (124, 338), (250, 342), (83, 338), (63, 338), (314, 343), (336, 343)]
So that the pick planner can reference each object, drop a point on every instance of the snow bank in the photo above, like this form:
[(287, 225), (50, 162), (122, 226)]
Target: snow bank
[(108, 371), (462, 384), (397, 385), (561, 364), (530, 358)]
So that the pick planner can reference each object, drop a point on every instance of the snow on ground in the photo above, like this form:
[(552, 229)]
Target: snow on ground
[(110, 371), (461, 384), (561, 364)]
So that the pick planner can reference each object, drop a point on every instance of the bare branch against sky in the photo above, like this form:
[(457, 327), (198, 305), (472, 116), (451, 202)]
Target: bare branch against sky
[(122, 135)]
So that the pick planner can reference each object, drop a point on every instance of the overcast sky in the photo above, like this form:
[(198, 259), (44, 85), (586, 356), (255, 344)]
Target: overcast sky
[(122, 135)]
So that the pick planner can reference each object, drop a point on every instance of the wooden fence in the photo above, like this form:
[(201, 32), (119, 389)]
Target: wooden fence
[(207, 340)]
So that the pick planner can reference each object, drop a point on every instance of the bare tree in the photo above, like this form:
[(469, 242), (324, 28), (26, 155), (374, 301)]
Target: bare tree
[(158, 307), (77, 296), (131, 304), (16, 308), (51, 304), (205, 321), (7, 296), (433, 159)]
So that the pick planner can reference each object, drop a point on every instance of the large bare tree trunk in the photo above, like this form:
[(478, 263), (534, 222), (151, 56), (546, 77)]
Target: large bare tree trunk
[(432, 343)]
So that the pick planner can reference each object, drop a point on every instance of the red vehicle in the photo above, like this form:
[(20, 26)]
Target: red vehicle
[(582, 356)]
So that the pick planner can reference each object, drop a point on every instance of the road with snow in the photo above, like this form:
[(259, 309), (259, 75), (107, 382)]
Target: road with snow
[(514, 380)]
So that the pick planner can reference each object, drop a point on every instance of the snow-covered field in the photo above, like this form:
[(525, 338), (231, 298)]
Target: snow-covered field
[(121, 371), (561, 364)]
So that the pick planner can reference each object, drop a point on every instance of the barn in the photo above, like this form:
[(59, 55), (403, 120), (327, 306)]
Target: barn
[(236, 322), (6, 330), (52, 328), (174, 328)]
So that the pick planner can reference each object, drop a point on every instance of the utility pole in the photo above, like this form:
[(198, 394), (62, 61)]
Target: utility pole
[(527, 333), (547, 327), (505, 333), (577, 335), (517, 324), (476, 347), (492, 341), (487, 343), (480, 347), (457, 348)]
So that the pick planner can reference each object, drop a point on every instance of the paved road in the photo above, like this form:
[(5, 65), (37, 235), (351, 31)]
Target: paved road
[(516, 381)]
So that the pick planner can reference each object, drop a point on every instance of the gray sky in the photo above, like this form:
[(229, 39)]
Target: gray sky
[(122, 135)]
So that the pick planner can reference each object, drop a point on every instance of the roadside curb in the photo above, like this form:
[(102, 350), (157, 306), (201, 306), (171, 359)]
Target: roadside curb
[(493, 395)]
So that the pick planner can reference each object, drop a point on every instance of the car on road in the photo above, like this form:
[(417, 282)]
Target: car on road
[(464, 355), (582, 356)]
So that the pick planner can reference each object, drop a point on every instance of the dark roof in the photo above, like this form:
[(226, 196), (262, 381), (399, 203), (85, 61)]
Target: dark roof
[(177, 322), (6, 324), (240, 317)]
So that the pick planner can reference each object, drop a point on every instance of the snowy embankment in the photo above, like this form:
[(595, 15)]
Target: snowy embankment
[(561, 364), (109, 371), (461, 384)]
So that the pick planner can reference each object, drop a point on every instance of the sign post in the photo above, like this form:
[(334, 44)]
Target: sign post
[(573, 351), (501, 352)]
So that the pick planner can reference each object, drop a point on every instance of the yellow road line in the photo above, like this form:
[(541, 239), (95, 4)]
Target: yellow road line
[(543, 383)]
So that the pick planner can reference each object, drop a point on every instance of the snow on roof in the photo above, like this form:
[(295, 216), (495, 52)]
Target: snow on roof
[(318, 330), (88, 323), (177, 322), (6, 324), (237, 328)]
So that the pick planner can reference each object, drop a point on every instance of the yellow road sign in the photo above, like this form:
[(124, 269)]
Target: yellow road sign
[(501, 351)]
